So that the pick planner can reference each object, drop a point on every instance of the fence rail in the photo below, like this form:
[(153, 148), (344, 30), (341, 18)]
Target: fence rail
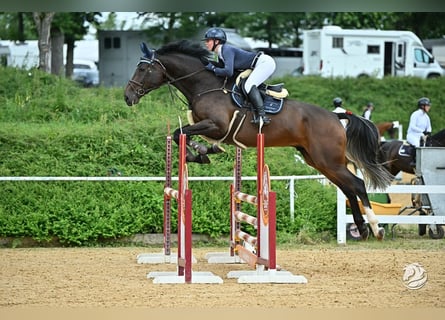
[(343, 219)]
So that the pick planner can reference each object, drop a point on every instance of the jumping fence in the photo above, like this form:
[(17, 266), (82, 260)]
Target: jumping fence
[(260, 252)]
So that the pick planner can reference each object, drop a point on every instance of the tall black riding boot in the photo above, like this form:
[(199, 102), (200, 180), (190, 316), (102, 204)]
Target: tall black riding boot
[(413, 158), (257, 101)]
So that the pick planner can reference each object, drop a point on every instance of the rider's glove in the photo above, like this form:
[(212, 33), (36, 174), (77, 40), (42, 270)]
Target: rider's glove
[(210, 67)]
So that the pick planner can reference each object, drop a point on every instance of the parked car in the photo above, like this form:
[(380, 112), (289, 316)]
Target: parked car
[(86, 73)]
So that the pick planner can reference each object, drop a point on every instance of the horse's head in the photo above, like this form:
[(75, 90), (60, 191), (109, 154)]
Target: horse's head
[(150, 74)]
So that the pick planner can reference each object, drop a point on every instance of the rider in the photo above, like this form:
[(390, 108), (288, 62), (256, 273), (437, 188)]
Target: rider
[(419, 124), (234, 58), (338, 108), (338, 105)]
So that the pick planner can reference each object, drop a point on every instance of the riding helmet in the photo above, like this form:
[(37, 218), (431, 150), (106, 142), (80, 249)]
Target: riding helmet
[(423, 102), (337, 102), (216, 33)]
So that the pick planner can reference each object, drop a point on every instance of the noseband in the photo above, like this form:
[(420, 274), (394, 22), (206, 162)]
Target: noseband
[(141, 91)]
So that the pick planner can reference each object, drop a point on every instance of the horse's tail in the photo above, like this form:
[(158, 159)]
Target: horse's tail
[(362, 148)]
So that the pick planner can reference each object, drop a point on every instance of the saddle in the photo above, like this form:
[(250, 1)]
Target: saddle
[(406, 150), (273, 95)]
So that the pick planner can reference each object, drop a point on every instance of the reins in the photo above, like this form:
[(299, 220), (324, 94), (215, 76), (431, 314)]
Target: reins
[(223, 89)]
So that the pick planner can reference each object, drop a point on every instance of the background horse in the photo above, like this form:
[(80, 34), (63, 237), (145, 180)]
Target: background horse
[(395, 162), (315, 132), (386, 127)]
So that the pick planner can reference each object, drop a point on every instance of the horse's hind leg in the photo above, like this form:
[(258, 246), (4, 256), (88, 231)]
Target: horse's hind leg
[(354, 187), (360, 191)]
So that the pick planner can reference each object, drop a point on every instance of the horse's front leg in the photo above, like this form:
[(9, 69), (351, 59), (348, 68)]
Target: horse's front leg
[(201, 150)]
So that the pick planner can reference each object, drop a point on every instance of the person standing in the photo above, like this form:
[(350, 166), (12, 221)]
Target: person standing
[(234, 58), (367, 113)]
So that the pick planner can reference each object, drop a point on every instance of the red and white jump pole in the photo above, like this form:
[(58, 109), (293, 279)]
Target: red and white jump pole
[(166, 256), (183, 196)]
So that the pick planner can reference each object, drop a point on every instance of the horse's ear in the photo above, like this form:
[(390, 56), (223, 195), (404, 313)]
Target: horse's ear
[(147, 52)]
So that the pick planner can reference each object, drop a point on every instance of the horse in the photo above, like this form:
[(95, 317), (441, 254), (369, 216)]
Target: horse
[(314, 131), (386, 127), (396, 159)]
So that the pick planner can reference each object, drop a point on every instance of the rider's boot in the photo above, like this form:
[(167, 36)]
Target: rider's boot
[(257, 101), (413, 158)]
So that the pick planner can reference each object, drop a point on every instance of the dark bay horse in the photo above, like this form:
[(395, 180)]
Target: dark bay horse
[(315, 132), (395, 161)]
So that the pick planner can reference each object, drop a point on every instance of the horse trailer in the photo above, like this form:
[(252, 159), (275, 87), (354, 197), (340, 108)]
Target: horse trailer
[(336, 52)]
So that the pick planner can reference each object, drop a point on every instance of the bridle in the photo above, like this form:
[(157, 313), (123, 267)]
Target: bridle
[(138, 87)]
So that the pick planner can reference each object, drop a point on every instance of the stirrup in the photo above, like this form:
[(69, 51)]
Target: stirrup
[(266, 120), (256, 120)]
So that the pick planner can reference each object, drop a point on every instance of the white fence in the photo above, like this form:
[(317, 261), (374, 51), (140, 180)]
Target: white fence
[(343, 219)]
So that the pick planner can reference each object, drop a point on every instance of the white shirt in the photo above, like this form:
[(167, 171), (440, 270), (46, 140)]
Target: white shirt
[(419, 122), (367, 114), (344, 122)]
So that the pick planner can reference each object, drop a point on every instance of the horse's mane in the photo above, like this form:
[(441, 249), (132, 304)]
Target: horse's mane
[(440, 134), (439, 138), (187, 47)]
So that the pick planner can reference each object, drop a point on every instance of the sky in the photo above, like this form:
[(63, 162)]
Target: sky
[(130, 19)]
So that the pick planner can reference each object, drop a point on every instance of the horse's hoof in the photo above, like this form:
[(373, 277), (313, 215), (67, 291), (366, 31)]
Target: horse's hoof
[(381, 234), (364, 234), (204, 159)]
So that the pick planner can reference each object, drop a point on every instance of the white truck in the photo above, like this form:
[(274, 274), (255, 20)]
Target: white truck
[(336, 52)]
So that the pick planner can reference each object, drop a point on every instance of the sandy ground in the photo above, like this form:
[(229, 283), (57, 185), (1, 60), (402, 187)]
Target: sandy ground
[(343, 277), (339, 278)]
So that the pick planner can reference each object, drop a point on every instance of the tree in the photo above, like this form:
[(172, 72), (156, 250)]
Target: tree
[(427, 25), (17, 26), (73, 26), (43, 24), (169, 26)]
